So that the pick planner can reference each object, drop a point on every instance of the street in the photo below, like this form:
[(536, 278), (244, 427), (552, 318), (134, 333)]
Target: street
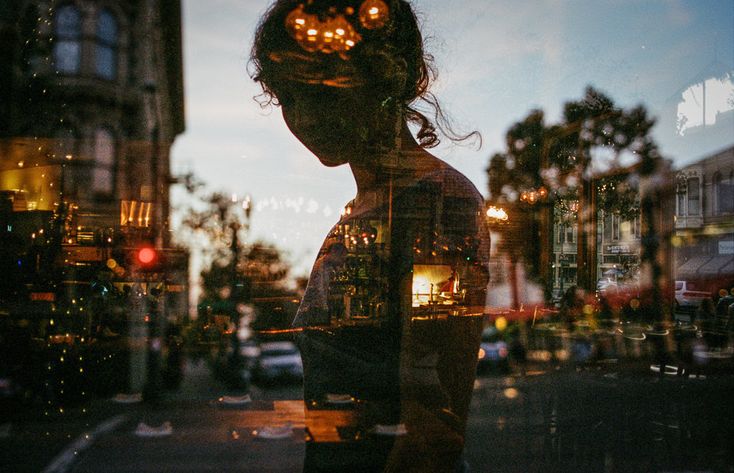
[(551, 419)]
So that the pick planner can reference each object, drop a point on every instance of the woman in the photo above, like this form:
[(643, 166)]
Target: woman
[(392, 313)]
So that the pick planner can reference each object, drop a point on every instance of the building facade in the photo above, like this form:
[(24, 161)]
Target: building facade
[(704, 220), (92, 100)]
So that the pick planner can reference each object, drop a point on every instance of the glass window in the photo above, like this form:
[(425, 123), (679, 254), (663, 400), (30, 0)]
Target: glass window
[(105, 52), (104, 158), (67, 47), (724, 192), (694, 196)]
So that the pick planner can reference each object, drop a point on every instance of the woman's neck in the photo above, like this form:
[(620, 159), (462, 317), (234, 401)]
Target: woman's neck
[(373, 176)]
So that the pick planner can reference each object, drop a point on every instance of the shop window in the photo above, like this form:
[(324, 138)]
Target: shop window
[(105, 52), (68, 44), (104, 160)]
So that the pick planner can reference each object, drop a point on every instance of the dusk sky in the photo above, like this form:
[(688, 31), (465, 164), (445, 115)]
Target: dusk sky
[(497, 60)]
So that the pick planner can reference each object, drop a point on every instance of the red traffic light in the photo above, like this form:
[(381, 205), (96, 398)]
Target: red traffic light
[(147, 256)]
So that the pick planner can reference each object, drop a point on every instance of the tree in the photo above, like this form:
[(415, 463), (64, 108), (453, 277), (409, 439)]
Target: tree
[(235, 273), (589, 162)]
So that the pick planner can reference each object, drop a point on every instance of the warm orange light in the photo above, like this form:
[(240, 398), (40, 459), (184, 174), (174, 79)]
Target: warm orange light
[(332, 34), (146, 255), (497, 213), (373, 14)]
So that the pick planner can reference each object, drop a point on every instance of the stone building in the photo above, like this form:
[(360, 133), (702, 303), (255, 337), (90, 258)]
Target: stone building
[(92, 100)]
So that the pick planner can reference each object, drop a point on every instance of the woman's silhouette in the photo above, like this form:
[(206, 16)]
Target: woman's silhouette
[(393, 308)]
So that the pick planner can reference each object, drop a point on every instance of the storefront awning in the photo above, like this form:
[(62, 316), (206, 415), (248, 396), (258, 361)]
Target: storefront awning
[(691, 267), (715, 265)]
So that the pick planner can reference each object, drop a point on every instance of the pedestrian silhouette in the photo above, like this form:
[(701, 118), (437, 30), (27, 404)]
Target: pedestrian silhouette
[(392, 313)]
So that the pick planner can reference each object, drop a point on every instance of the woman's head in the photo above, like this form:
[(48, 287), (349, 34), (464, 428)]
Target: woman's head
[(365, 89)]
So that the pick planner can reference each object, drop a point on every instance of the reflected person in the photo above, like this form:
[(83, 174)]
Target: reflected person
[(392, 312)]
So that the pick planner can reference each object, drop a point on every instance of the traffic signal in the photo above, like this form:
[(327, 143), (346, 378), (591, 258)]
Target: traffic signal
[(147, 258)]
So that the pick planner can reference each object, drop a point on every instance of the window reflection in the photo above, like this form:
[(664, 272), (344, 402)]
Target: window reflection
[(104, 157), (569, 309), (68, 40), (105, 49)]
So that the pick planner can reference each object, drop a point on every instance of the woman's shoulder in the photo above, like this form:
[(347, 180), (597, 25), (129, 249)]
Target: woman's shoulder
[(454, 183)]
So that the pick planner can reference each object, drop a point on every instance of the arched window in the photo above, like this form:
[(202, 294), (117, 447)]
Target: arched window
[(68, 39), (104, 162), (105, 49), (724, 192)]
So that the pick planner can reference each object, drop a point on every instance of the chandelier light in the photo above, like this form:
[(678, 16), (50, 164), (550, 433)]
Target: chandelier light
[(334, 31)]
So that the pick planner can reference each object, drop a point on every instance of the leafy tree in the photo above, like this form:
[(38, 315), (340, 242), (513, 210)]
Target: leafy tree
[(591, 161), (235, 273)]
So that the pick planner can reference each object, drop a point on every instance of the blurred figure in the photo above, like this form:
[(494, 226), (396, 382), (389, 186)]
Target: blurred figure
[(705, 313), (572, 305), (382, 320)]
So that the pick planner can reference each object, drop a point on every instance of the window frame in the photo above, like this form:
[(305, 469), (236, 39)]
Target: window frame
[(72, 38), (107, 44)]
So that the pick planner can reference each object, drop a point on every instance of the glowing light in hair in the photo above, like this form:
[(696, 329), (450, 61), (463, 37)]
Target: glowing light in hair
[(333, 32)]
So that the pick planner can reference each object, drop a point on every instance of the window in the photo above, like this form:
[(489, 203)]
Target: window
[(68, 45), (105, 50), (104, 160), (694, 196), (565, 234), (723, 194)]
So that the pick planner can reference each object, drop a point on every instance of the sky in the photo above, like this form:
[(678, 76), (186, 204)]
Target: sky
[(496, 61)]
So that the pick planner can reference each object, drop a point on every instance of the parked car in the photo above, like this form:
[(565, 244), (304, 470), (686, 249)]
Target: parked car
[(688, 296), (493, 352), (278, 361), (603, 284)]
